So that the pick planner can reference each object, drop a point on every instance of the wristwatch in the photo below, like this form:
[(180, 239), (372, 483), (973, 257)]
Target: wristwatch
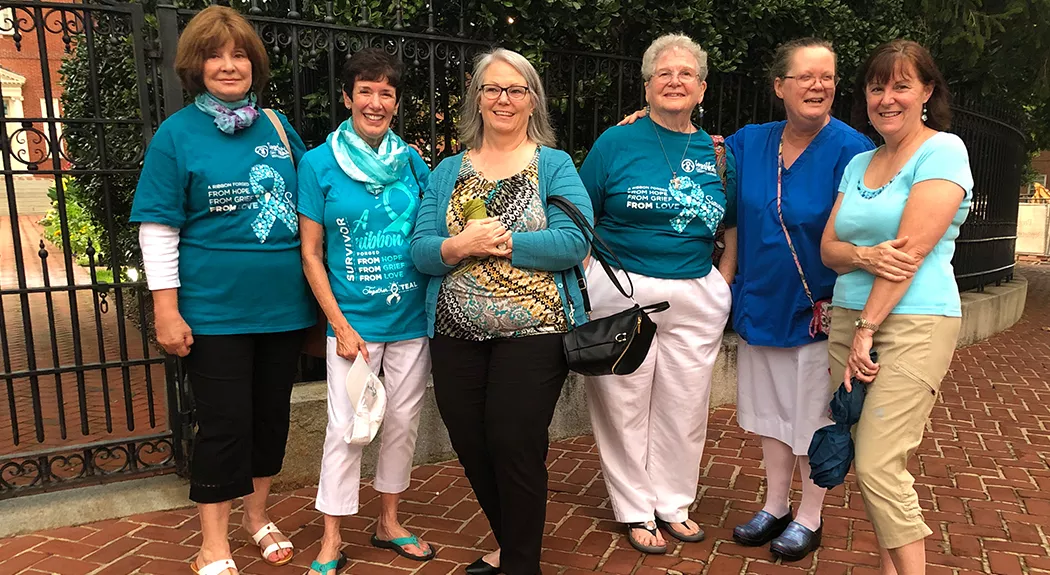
[(862, 323)]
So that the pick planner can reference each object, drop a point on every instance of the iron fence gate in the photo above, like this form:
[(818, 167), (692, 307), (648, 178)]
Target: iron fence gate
[(84, 385), (81, 375)]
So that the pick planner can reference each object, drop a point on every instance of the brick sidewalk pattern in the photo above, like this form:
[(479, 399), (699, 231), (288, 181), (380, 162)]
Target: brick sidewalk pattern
[(981, 473), (92, 347)]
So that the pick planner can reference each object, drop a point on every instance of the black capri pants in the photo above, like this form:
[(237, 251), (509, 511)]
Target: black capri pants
[(242, 389)]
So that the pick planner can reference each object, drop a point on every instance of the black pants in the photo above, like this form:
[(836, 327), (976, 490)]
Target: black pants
[(242, 389), (497, 400)]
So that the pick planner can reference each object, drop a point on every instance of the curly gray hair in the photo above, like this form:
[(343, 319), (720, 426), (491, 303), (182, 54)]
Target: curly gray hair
[(472, 127), (673, 41)]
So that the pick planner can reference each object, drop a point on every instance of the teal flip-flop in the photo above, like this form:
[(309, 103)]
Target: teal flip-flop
[(398, 545), (334, 564)]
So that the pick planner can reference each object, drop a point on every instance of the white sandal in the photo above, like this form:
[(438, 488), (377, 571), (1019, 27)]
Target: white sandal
[(213, 568), (269, 529)]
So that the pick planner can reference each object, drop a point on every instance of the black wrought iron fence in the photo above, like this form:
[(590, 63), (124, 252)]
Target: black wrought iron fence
[(83, 386)]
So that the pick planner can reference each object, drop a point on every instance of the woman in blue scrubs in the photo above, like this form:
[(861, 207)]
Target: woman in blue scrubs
[(789, 174)]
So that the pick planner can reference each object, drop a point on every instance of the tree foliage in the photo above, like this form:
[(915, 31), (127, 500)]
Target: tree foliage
[(996, 49)]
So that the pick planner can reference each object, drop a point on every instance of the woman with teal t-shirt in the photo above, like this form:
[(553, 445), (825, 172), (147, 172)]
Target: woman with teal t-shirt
[(358, 199), (915, 190), (220, 244), (658, 195)]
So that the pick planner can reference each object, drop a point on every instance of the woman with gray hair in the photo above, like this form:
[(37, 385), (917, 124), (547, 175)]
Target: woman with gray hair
[(500, 296), (660, 187)]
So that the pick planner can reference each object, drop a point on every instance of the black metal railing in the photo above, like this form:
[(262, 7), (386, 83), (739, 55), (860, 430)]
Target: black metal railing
[(79, 369), (81, 379), (984, 250)]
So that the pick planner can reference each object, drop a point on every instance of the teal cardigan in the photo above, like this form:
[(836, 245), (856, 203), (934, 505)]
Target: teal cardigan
[(558, 249)]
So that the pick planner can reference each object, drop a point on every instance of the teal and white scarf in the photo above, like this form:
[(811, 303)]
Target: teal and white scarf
[(229, 116), (378, 169)]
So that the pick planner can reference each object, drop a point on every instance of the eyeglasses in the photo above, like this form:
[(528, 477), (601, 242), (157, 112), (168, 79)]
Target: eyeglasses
[(665, 76), (494, 91), (807, 80)]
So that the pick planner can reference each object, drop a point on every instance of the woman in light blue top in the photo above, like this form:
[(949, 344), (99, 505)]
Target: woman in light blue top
[(501, 296), (914, 191), (358, 198)]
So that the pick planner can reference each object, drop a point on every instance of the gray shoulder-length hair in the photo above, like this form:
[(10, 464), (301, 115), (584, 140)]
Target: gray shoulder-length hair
[(667, 42), (472, 128)]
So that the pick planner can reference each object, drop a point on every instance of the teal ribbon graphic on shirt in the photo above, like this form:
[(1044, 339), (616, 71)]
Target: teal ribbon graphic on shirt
[(274, 204), (695, 203), (402, 222)]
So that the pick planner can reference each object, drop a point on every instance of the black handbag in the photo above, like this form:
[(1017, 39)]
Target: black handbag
[(613, 345)]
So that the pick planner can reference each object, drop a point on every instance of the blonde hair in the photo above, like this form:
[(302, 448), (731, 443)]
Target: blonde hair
[(673, 41), (471, 127)]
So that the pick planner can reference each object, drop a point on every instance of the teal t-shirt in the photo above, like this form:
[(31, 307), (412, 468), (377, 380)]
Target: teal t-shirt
[(655, 229), (367, 245), (233, 199), (869, 217)]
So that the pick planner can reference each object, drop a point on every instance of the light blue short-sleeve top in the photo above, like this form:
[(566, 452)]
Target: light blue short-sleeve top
[(869, 217)]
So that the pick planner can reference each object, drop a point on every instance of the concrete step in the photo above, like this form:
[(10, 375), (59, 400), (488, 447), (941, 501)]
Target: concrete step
[(30, 196)]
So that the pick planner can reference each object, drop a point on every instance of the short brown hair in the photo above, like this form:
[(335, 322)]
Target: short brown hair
[(372, 65), (210, 30), (887, 59)]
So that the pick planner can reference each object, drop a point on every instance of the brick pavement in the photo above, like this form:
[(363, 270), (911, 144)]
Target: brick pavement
[(981, 473), (52, 336)]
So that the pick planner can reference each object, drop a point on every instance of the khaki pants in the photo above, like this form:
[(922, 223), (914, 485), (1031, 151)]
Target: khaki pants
[(914, 354)]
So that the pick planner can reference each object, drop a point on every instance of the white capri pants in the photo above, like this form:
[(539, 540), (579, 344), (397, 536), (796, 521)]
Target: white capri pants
[(650, 426), (406, 367)]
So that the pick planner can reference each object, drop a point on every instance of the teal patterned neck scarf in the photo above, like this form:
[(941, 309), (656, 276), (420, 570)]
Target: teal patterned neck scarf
[(378, 169), (229, 116)]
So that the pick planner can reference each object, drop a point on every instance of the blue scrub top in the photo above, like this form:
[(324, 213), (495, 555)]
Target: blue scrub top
[(770, 307)]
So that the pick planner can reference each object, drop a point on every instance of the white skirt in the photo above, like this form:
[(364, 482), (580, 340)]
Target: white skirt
[(783, 393)]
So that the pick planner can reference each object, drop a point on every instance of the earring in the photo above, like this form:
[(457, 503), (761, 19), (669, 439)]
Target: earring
[(924, 112), (701, 110)]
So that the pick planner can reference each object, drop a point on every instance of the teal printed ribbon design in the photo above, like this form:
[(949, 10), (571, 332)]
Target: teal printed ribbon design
[(274, 204), (402, 223), (695, 203)]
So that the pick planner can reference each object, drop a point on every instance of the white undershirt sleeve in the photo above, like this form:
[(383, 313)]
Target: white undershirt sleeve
[(160, 255)]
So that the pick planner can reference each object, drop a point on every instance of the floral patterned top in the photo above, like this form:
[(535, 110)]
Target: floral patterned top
[(490, 298)]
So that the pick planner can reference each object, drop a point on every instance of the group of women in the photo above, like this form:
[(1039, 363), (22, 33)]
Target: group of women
[(466, 274)]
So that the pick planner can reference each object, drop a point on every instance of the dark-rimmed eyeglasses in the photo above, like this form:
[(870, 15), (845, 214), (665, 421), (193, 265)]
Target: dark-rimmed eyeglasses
[(494, 91)]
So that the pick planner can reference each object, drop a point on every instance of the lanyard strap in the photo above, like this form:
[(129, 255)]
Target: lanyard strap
[(780, 214)]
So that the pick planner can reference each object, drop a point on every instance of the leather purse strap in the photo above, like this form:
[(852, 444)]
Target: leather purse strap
[(272, 116), (595, 240)]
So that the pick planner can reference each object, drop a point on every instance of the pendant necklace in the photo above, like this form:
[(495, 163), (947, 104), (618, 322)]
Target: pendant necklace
[(676, 183)]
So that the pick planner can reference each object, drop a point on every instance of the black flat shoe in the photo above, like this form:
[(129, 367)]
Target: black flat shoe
[(796, 542), (762, 529), (480, 567)]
